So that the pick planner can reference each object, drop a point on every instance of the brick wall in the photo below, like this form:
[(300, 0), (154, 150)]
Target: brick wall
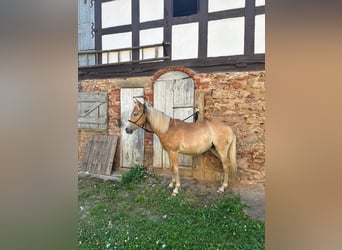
[(238, 98), (105, 85)]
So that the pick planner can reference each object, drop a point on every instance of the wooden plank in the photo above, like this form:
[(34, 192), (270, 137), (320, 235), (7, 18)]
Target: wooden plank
[(160, 98), (100, 154), (92, 96), (93, 120), (92, 109), (205, 65), (135, 28), (200, 104), (168, 109), (87, 153), (249, 27), (90, 153), (110, 159), (93, 127), (203, 29)]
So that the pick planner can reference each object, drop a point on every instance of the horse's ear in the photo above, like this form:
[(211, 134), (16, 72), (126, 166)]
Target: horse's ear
[(136, 101)]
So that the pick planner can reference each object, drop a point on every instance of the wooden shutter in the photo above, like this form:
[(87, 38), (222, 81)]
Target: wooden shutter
[(86, 38), (92, 110)]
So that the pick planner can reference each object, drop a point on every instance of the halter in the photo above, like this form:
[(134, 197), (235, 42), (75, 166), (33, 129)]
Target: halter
[(143, 125), (150, 131)]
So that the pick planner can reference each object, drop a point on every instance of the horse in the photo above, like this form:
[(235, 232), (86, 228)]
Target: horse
[(177, 136)]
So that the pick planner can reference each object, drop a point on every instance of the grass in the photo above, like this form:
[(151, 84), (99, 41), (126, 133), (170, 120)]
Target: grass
[(139, 213)]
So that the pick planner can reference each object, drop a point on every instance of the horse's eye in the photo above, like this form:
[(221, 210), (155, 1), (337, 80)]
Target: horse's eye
[(135, 113)]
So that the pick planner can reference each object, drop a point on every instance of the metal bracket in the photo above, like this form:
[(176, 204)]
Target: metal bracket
[(91, 3), (93, 30)]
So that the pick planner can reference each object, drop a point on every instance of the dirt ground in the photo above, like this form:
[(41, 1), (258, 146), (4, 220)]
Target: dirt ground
[(253, 195)]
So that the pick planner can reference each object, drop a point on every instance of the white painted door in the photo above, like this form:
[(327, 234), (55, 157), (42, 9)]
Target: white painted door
[(173, 95), (131, 146)]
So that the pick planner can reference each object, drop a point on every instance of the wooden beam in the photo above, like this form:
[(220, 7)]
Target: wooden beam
[(206, 65), (203, 29), (135, 29), (249, 27), (133, 82)]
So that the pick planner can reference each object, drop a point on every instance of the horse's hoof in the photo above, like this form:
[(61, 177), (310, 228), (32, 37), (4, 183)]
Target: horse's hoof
[(175, 192), (220, 190), (171, 185)]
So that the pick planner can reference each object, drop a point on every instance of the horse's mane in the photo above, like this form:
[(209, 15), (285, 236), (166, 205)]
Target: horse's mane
[(158, 120)]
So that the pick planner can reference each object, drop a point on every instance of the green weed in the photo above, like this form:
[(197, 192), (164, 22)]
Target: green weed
[(136, 174)]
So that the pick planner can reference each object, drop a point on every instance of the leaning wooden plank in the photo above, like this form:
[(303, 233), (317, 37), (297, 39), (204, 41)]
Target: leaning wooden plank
[(100, 154), (92, 160), (111, 155), (87, 153)]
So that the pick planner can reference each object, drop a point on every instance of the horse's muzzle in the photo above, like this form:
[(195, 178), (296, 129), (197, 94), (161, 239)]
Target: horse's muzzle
[(129, 130)]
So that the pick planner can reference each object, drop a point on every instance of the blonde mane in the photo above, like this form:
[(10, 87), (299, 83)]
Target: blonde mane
[(158, 121)]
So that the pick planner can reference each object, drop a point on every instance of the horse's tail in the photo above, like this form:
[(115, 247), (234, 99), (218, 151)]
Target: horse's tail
[(232, 157)]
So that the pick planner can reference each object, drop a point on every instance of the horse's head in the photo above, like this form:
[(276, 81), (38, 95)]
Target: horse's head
[(137, 118)]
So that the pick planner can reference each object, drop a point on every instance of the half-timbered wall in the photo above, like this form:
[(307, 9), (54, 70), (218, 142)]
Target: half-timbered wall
[(220, 33)]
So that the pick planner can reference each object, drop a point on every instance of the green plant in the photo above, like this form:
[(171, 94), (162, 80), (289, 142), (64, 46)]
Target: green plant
[(136, 174)]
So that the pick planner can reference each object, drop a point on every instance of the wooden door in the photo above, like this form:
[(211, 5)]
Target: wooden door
[(131, 146), (174, 95)]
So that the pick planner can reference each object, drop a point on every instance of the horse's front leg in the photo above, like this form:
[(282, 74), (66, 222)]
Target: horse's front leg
[(173, 178), (175, 174)]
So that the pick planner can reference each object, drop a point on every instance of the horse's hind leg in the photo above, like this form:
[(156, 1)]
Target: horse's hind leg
[(224, 160), (175, 174), (222, 150), (232, 157)]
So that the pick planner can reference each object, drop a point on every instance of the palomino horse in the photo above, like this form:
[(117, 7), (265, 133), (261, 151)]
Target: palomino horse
[(177, 136)]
